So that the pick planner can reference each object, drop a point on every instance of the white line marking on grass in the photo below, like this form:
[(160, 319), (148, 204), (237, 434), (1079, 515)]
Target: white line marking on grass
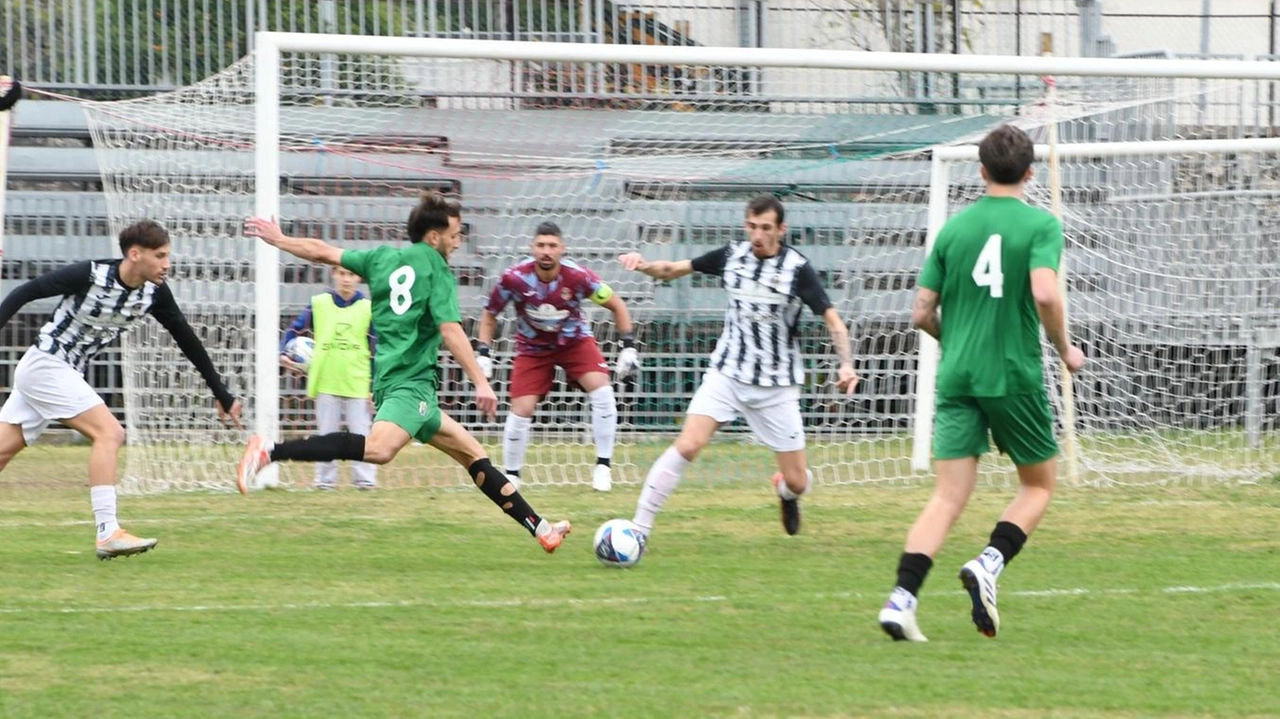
[(1076, 592), (404, 604), (1223, 588), (575, 602), (260, 519)]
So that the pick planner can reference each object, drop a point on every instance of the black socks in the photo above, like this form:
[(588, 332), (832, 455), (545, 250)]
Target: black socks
[(321, 448), (491, 482), (912, 569), (1008, 538)]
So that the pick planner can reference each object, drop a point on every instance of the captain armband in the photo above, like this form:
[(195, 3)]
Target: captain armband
[(602, 295)]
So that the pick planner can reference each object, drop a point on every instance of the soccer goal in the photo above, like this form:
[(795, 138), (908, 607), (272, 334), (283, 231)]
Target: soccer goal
[(1163, 176)]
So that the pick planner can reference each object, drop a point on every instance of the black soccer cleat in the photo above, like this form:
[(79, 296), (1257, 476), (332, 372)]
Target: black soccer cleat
[(790, 509), (791, 515)]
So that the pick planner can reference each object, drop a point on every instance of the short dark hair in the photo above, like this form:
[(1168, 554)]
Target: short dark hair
[(1007, 153), (547, 228), (144, 233), (763, 204), (432, 213)]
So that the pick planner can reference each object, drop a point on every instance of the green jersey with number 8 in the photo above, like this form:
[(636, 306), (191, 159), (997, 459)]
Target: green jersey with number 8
[(981, 267), (413, 293)]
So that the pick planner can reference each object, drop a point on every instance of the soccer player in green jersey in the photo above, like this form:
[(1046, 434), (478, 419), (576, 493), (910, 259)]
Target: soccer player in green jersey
[(993, 272), (415, 310)]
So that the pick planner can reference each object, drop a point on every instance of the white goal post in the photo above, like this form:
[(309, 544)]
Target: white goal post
[(660, 147), (1256, 339), (6, 120)]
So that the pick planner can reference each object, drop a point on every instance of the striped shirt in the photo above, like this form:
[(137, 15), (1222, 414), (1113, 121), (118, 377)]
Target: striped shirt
[(96, 308), (760, 344)]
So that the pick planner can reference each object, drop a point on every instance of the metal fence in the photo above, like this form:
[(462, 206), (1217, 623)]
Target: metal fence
[(142, 46)]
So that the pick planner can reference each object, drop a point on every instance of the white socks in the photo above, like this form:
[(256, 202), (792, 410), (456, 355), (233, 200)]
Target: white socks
[(902, 599), (786, 493), (515, 441), (104, 509), (992, 560), (604, 420), (663, 477)]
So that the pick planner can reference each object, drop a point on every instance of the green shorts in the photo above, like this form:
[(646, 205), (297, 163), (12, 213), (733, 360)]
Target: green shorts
[(1021, 425), (412, 408)]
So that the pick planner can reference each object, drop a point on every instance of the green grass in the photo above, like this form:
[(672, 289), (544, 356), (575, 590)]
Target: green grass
[(429, 602)]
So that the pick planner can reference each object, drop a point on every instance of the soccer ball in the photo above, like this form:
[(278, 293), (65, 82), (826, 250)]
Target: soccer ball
[(619, 543), (299, 350)]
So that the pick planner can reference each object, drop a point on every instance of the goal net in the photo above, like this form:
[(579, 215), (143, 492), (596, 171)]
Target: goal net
[(1170, 243)]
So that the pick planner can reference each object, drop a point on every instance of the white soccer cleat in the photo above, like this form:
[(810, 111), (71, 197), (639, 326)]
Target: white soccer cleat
[(981, 585), (898, 617), (123, 544), (602, 478), (514, 479)]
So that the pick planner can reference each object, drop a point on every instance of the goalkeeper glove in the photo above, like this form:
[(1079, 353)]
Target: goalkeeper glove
[(628, 358), (484, 360)]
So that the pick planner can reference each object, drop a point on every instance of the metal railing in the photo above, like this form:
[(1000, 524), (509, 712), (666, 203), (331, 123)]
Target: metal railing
[(143, 46)]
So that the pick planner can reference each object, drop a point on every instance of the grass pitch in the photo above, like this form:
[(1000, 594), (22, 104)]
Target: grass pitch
[(430, 602)]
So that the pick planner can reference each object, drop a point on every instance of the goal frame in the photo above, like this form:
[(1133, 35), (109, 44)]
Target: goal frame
[(271, 45)]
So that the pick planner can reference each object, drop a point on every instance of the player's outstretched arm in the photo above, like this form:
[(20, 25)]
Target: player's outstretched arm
[(165, 310), (846, 376), (305, 248), (659, 270), (1053, 315), (459, 345), (69, 280)]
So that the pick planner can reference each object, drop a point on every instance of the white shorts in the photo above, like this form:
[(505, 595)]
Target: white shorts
[(772, 413), (45, 389)]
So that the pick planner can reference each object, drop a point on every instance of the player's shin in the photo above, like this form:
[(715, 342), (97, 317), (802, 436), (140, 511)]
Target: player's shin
[(501, 492), (660, 483), (515, 441), (320, 448), (103, 498), (604, 421)]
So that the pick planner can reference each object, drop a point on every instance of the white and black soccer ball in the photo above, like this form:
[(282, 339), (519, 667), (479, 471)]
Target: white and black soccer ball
[(299, 351), (619, 543)]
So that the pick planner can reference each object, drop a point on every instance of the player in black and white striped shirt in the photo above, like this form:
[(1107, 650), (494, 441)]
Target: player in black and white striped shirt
[(100, 300), (756, 369)]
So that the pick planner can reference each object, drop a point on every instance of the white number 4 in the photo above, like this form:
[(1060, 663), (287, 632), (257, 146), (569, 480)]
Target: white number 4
[(986, 271)]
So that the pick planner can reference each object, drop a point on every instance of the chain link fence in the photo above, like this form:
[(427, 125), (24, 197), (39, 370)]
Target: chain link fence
[(143, 46)]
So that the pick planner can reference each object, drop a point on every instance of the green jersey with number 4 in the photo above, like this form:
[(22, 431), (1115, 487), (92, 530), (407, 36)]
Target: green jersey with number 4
[(981, 267), (413, 293)]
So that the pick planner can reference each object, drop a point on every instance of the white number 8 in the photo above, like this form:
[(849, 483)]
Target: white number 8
[(401, 281), (987, 270)]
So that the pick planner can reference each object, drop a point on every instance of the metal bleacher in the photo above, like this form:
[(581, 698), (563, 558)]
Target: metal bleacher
[(843, 214)]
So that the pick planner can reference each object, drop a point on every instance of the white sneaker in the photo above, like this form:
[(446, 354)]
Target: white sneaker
[(898, 617), (123, 544), (981, 585), (602, 478), (257, 454), (553, 534)]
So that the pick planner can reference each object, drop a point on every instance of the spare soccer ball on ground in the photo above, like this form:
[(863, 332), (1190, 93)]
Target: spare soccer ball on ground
[(619, 543), (299, 351)]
